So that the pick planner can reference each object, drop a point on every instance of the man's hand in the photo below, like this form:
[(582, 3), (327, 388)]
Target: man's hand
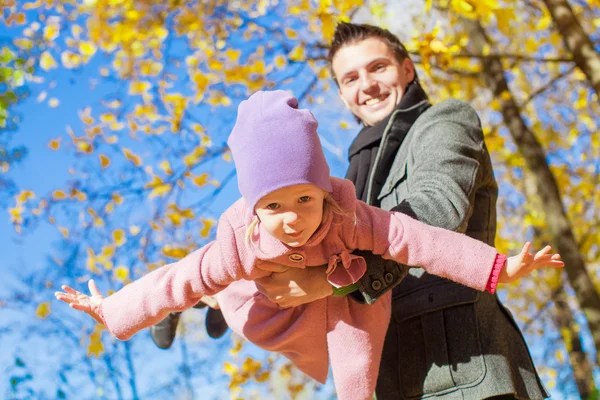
[(292, 287)]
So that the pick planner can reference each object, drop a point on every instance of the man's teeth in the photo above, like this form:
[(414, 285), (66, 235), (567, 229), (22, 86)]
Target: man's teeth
[(370, 102)]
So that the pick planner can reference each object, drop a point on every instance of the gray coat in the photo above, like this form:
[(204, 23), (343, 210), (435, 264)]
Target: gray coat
[(446, 340)]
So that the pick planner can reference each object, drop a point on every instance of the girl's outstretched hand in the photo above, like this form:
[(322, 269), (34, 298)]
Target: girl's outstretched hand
[(524, 263), (82, 302)]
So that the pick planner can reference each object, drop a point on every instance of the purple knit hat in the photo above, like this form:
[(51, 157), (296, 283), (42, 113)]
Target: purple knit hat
[(275, 144)]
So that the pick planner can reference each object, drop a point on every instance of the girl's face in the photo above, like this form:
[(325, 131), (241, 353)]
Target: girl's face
[(293, 213)]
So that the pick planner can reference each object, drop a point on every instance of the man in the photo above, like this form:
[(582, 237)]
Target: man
[(445, 340)]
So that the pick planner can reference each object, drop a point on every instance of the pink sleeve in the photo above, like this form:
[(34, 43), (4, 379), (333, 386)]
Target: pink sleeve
[(177, 286), (495, 275), (438, 251)]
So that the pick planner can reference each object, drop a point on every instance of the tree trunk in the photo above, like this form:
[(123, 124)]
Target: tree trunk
[(563, 315), (582, 370), (545, 183), (576, 41)]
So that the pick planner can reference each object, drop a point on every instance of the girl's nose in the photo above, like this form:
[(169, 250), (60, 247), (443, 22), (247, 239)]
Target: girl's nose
[(290, 218)]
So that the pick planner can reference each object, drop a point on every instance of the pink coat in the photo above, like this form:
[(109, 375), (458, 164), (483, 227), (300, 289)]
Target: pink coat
[(338, 329)]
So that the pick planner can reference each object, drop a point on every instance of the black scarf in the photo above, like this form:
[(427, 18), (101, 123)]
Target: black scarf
[(364, 148)]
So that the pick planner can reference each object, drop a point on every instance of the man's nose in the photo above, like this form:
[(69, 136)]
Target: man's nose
[(366, 82)]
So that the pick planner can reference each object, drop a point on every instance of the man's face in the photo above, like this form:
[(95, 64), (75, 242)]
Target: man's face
[(292, 214), (371, 80)]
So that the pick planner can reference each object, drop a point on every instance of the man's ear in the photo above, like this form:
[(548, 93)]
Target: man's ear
[(408, 67)]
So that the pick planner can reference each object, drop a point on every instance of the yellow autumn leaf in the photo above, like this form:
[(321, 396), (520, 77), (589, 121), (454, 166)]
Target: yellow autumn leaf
[(200, 180), (262, 377), (111, 139), (70, 60), (23, 44), (79, 195), (121, 273), (54, 144), (53, 102), (104, 161), (132, 157), (95, 348), (437, 46), (229, 368), (192, 158), (87, 49), (329, 21), (161, 190), (51, 32), (201, 81), (174, 252), (117, 198), (297, 54), (233, 55), (139, 87), (64, 231), (119, 237), (207, 225), (47, 62), (59, 195), (237, 347), (24, 195), (32, 5), (107, 118), (83, 146), (43, 310), (215, 65), (291, 34), (251, 366), (344, 125), (166, 167), (280, 61), (134, 230), (16, 215)]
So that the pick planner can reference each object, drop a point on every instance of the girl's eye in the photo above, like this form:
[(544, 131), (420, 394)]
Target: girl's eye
[(273, 206), (304, 199)]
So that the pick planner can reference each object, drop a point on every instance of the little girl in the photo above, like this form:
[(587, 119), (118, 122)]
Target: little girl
[(293, 213)]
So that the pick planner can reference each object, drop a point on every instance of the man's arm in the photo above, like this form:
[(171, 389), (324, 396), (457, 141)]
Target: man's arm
[(445, 159)]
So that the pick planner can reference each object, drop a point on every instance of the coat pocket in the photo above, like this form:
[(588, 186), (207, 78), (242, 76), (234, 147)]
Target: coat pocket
[(438, 341), (395, 188)]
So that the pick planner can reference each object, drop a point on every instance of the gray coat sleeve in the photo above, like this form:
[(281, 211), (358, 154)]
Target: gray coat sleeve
[(443, 168)]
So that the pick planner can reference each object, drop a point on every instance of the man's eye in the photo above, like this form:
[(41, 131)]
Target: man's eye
[(273, 206), (379, 67), (348, 81), (304, 199)]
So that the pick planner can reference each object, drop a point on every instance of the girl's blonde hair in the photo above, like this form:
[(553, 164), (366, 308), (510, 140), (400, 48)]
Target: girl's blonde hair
[(329, 203)]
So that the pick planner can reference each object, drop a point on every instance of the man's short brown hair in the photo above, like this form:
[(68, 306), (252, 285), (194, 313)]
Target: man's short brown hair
[(348, 33)]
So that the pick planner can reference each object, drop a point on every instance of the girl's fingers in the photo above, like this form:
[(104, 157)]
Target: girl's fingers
[(543, 252), (526, 248), (69, 289), (93, 288), (556, 256), (63, 296), (79, 307)]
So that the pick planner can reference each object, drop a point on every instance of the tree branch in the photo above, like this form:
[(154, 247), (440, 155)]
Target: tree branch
[(547, 86)]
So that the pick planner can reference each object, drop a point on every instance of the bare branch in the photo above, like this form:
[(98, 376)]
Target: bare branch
[(547, 86)]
